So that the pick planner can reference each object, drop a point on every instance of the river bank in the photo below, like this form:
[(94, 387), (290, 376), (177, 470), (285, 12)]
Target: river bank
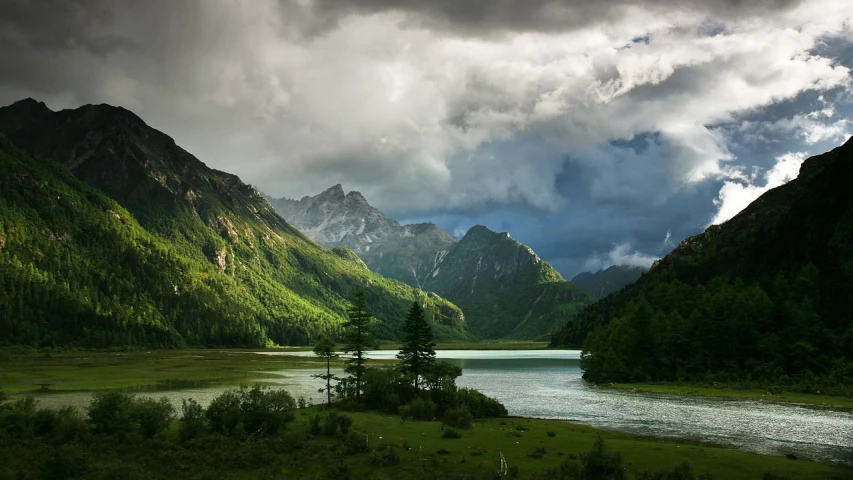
[(728, 392)]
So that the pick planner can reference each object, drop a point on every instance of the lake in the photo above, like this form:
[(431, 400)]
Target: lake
[(548, 384)]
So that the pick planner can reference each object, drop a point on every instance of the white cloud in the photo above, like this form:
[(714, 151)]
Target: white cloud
[(621, 254), (734, 196), (422, 118)]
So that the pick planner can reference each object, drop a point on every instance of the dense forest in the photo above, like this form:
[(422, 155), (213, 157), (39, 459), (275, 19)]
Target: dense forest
[(764, 296), (78, 269)]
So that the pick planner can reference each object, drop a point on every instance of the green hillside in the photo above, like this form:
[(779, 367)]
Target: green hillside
[(180, 255), (764, 296), (506, 289)]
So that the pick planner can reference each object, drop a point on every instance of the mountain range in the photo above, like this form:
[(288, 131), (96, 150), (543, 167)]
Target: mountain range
[(112, 234), (504, 288), (606, 281)]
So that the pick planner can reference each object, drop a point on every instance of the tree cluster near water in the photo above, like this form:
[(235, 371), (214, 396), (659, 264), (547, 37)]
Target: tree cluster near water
[(764, 297)]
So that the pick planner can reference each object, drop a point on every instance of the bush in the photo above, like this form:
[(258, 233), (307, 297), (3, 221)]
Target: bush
[(112, 413), (255, 411), (479, 404), (537, 452), (17, 419), (153, 416), (191, 424), (450, 433), (419, 409), (122, 414), (458, 417)]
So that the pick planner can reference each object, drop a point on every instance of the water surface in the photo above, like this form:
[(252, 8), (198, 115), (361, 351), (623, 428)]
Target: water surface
[(548, 384)]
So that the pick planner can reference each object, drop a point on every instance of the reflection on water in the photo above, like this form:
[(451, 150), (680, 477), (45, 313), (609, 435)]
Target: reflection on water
[(548, 384)]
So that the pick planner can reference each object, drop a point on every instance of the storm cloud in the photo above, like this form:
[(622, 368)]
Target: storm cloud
[(590, 128)]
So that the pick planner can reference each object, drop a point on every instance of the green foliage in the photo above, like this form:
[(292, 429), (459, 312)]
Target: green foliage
[(78, 268), (359, 338), (509, 298), (258, 411), (192, 424), (325, 348), (123, 415), (478, 404), (458, 417), (419, 409), (417, 353), (450, 433), (762, 298)]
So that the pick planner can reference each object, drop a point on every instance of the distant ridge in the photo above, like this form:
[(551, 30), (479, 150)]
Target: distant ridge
[(503, 287)]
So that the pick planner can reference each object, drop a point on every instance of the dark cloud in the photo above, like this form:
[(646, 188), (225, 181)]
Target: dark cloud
[(484, 16), (579, 126)]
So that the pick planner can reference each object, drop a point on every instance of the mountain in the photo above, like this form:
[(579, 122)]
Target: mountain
[(503, 287), (604, 282), (763, 296), (405, 252), (147, 239)]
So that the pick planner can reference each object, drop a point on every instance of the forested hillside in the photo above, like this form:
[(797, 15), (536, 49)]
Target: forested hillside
[(180, 255), (764, 296)]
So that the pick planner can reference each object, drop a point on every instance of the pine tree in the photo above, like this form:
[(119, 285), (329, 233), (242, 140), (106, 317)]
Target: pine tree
[(417, 354), (359, 338), (325, 348)]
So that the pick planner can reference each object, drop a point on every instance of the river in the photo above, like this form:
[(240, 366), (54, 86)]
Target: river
[(548, 384)]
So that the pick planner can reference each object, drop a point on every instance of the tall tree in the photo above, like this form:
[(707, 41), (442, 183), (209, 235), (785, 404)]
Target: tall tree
[(325, 348), (359, 338), (417, 354)]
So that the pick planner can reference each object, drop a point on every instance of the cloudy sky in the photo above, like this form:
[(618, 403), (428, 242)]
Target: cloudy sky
[(596, 132)]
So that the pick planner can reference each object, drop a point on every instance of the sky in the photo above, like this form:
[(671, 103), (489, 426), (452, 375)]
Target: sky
[(598, 133)]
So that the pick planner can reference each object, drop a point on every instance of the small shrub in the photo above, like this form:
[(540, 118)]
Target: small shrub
[(791, 456), (419, 409), (521, 428), (459, 418), (112, 413), (191, 424), (513, 472), (478, 404), (442, 451), (256, 411), (537, 452), (301, 403), (314, 425), (355, 443), (552, 434), (451, 433), (515, 433), (477, 452), (386, 456), (153, 416)]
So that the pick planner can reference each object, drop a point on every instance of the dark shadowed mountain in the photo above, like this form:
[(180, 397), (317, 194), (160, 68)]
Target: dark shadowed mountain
[(503, 287), (763, 296), (155, 237), (604, 282)]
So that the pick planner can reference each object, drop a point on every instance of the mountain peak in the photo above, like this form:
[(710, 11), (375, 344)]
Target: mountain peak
[(335, 192)]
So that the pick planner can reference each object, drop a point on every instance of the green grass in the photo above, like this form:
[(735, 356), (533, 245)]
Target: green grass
[(90, 371), (724, 391), (477, 452)]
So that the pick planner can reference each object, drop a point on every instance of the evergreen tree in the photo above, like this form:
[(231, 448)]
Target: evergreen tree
[(325, 348), (359, 338), (417, 354)]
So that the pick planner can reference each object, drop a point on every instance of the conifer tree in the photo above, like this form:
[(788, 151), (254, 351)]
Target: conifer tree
[(417, 354), (359, 338), (325, 348)]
